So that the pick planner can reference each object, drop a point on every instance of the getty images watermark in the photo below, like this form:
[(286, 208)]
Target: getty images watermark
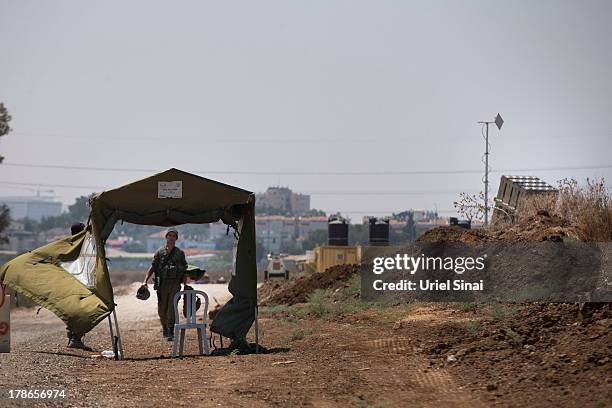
[(516, 272), (414, 264)]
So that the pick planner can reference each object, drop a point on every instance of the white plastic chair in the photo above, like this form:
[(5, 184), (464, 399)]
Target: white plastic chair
[(190, 321)]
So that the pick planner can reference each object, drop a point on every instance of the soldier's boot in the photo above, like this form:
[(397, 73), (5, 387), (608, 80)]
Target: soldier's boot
[(241, 345), (77, 343)]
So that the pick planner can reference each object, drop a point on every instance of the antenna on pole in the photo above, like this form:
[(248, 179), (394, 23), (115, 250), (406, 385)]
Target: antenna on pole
[(499, 123)]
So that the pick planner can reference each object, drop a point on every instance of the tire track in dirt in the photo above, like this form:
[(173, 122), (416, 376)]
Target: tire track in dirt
[(432, 387)]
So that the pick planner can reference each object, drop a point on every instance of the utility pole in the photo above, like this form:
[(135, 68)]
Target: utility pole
[(486, 181), (498, 122)]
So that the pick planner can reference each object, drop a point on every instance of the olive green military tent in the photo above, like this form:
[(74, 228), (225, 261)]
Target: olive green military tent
[(70, 276)]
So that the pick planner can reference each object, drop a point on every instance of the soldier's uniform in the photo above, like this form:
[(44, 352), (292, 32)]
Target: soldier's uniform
[(169, 268)]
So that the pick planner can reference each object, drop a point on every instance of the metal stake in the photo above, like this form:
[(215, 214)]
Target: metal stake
[(256, 329), (118, 334), (110, 326)]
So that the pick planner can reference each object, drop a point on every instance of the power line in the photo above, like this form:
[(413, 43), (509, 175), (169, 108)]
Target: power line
[(389, 212), (311, 173), (316, 193), (391, 193), (226, 140), (11, 183)]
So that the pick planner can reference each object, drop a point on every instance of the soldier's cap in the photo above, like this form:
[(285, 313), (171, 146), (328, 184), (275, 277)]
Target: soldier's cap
[(172, 229)]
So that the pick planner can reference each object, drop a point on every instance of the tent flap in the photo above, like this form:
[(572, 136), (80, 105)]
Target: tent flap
[(39, 276), (234, 319)]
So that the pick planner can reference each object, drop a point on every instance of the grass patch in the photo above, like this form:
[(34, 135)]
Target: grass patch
[(275, 309), (472, 327), (324, 302), (467, 306), (289, 320), (362, 402), (344, 302), (317, 302), (298, 334), (348, 307), (321, 304), (515, 339), (392, 311), (502, 312), (354, 288)]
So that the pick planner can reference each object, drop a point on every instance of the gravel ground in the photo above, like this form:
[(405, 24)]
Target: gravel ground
[(385, 357)]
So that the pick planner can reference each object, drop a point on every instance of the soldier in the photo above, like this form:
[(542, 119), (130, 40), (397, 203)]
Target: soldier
[(169, 266)]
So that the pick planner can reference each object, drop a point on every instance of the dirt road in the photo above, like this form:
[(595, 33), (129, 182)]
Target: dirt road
[(28, 325), (366, 358), (328, 364)]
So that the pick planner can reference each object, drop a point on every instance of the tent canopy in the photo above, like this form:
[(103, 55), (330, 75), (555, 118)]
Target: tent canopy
[(191, 199), (173, 197)]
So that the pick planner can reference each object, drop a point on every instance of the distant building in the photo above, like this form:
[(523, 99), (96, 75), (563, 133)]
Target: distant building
[(397, 225), (284, 200), (217, 229), (419, 215), (429, 224), (34, 208), (424, 220), (18, 239), (158, 239), (53, 234), (300, 203), (306, 225), (274, 230)]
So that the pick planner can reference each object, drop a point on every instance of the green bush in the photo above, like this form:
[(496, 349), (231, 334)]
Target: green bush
[(317, 302), (298, 334)]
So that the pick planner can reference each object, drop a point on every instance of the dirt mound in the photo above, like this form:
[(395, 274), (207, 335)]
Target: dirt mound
[(272, 286), (297, 290), (541, 345), (542, 227), (453, 234), (537, 228)]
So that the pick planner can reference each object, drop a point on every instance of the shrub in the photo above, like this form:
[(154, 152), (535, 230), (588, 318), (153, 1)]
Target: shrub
[(298, 334), (588, 207), (318, 302)]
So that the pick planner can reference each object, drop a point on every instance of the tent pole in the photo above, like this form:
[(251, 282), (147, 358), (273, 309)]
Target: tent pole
[(118, 334), (112, 334), (256, 329)]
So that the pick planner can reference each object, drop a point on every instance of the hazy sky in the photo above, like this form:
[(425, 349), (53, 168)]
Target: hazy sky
[(309, 87)]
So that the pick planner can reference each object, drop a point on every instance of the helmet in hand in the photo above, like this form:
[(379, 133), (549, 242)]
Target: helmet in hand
[(143, 293)]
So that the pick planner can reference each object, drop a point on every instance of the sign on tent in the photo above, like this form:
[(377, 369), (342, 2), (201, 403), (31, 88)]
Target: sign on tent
[(169, 189)]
